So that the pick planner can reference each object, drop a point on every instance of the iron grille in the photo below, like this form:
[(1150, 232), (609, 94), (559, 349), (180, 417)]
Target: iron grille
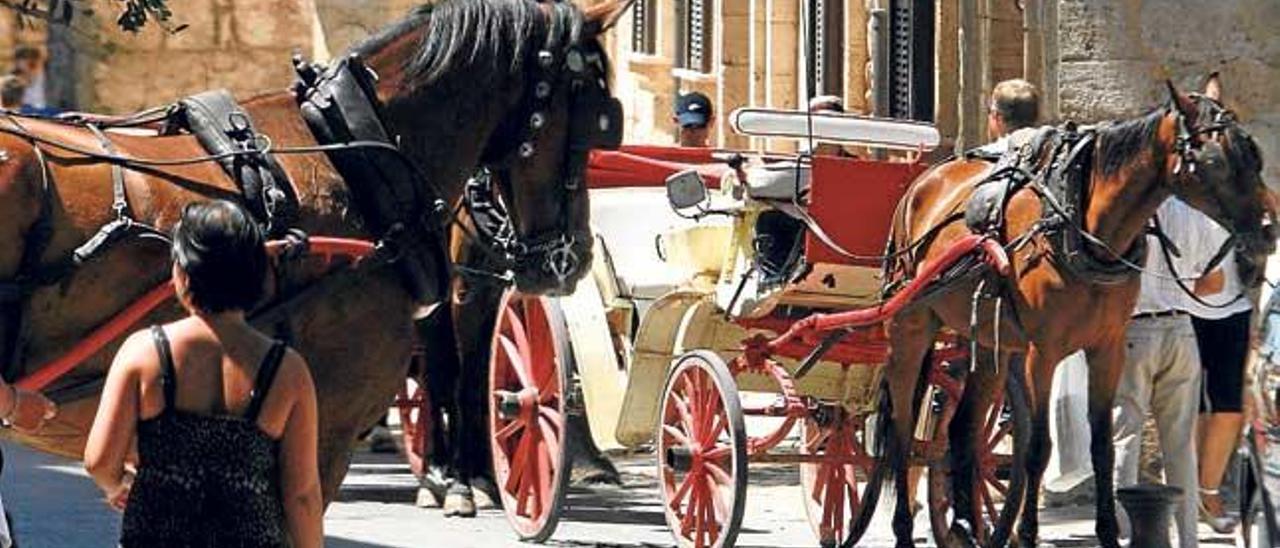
[(643, 35)]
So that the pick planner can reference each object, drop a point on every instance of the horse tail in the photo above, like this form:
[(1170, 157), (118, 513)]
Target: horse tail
[(885, 438)]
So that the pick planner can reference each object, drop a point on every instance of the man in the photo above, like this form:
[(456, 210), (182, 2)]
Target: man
[(1162, 371), (1222, 335), (12, 88), (1012, 115), (28, 63), (693, 116)]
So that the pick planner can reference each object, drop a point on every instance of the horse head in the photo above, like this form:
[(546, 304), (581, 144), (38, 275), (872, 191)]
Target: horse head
[(526, 88), (1216, 167), (540, 161)]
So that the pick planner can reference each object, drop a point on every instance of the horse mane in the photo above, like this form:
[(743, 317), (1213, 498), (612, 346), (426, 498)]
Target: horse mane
[(1120, 142), (477, 37)]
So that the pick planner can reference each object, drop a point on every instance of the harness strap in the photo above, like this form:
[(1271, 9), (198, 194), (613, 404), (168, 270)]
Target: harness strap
[(119, 200)]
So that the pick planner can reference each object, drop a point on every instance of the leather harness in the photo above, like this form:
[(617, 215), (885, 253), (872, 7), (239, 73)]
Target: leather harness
[(1056, 164)]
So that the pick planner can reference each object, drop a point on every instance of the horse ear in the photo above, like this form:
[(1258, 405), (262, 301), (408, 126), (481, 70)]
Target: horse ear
[(1213, 87), (603, 16), (1180, 101)]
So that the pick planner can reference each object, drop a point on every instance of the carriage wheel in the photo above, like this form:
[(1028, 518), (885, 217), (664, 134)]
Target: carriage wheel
[(527, 380), (999, 474), (414, 405), (840, 492), (702, 453)]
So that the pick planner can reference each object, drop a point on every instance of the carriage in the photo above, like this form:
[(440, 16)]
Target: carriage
[(722, 276)]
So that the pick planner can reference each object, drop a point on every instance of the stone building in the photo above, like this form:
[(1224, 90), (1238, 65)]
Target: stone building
[(934, 60), (937, 60)]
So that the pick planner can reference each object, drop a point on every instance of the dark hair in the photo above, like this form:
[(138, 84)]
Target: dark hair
[(28, 52), (221, 249), (12, 88), (1017, 102)]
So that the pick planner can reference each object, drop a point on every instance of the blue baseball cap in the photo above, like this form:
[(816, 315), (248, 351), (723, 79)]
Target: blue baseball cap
[(693, 109)]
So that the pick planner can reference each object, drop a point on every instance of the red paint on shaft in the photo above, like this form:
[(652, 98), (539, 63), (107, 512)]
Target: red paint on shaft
[(99, 338), (874, 315)]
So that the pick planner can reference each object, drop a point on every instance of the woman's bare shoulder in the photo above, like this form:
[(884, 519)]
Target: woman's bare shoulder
[(295, 373)]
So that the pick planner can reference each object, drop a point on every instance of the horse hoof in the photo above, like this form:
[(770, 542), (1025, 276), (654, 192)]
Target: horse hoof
[(459, 502), (595, 472), (486, 493), (427, 499)]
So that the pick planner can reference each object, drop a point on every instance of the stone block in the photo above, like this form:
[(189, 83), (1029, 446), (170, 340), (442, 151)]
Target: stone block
[(200, 16), (1100, 90), (272, 23), (1098, 30)]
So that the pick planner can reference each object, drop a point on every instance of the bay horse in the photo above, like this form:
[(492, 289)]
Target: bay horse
[(1192, 148), (458, 80)]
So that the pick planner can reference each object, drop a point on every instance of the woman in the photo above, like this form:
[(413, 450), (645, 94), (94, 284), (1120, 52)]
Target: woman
[(224, 418)]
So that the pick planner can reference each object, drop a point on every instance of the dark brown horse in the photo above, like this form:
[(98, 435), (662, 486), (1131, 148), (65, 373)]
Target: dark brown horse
[(1193, 149), (459, 82)]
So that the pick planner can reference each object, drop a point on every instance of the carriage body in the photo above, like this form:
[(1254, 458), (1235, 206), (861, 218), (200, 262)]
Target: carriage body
[(674, 297)]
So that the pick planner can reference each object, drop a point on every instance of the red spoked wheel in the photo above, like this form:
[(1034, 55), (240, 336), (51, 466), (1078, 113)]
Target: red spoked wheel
[(702, 452), (527, 386), (414, 406), (999, 474), (840, 491)]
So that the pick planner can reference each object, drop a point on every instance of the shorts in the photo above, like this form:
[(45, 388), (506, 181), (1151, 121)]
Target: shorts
[(1224, 348)]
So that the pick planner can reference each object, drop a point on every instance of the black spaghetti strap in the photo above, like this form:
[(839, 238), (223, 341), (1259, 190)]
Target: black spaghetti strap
[(168, 380), (266, 376)]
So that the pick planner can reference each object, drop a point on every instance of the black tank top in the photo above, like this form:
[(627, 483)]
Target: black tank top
[(206, 480)]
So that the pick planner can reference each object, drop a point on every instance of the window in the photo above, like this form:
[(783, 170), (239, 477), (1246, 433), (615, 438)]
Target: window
[(644, 36), (825, 47), (694, 42)]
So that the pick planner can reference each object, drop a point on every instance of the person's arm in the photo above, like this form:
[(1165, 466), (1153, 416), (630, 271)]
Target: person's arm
[(299, 470), (113, 429), (27, 411)]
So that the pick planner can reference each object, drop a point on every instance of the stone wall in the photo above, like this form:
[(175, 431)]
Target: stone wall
[(1113, 56), (242, 45)]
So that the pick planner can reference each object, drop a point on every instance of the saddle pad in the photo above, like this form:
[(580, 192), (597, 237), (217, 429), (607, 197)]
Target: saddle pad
[(222, 127)]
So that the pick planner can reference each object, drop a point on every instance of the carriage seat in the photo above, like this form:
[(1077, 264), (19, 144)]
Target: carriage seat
[(628, 221), (777, 181)]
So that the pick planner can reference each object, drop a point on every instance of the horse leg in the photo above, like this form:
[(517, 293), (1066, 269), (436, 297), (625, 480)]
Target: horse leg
[(1105, 365), (911, 337), (435, 333), (473, 321), (1038, 368), (964, 434)]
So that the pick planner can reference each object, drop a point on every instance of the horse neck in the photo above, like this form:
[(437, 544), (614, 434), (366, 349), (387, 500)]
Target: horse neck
[(1121, 202), (444, 125)]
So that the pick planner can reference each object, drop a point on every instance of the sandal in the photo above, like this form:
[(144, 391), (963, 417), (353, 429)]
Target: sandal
[(1218, 521)]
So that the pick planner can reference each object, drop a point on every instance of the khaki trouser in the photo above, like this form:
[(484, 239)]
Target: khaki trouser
[(1161, 377)]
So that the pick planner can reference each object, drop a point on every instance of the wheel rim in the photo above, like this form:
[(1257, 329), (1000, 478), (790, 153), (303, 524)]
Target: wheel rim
[(527, 415), (837, 489), (995, 458), (698, 455), (998, 463)]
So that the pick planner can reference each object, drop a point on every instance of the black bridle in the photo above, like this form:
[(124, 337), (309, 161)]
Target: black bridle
[(595, 121)]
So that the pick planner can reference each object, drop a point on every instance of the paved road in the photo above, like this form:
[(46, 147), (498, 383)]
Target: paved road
[(55, 505)]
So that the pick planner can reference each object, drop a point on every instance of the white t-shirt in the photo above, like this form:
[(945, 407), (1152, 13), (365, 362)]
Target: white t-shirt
[(1198, 238), (34, 97)]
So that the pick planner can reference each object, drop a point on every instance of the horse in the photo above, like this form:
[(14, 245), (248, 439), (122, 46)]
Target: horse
[(490, 246), (460, 82), (1192, 148)]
